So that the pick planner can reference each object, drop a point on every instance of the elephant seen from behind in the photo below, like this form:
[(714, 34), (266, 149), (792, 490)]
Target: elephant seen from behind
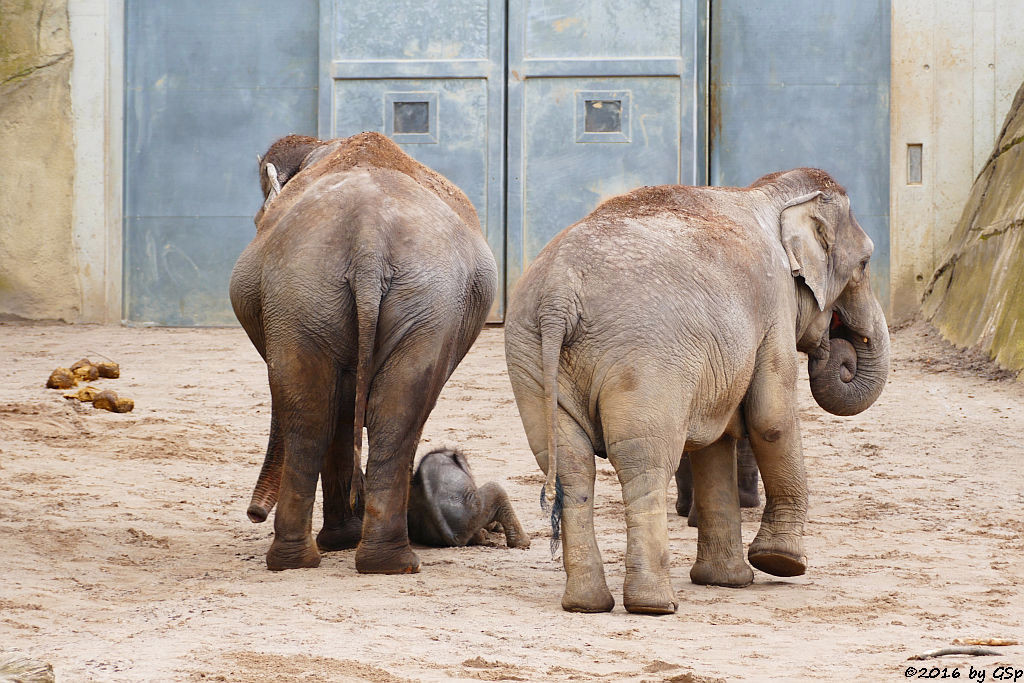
[(367, 282)]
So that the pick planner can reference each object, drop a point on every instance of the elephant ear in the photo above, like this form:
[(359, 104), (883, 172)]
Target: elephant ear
[(808, 242)]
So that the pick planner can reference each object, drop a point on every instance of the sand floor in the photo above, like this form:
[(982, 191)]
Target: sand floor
[(126, 554)]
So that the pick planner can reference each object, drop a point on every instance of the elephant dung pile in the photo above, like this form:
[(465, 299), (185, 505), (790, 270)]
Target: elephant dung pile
[(85, 370)]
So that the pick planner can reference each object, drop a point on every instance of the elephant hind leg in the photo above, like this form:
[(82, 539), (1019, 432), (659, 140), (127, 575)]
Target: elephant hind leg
[(403, 392), (645, 454), (586, 589), (717, 505), (304, 401), (342, 525)]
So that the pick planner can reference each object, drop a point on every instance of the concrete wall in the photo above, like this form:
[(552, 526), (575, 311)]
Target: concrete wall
[(97, 91), (38, 264), (956, 65)]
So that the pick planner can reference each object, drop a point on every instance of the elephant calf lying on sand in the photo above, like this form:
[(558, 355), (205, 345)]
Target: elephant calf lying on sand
[(746, 471), (668, 321), (447, 509)]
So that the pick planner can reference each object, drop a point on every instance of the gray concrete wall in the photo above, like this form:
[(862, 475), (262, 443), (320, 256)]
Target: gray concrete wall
[(956, 65), (38, 265)]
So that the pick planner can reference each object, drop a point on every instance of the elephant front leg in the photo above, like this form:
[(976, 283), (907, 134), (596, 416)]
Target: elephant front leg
[(644, 466), (778, 548), (496, 507), (717, 502)]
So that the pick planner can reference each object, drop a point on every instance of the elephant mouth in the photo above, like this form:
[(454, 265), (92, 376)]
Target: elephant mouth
[(839, 329)]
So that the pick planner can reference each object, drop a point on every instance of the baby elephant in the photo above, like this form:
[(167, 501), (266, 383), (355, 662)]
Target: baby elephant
[(447, 509)]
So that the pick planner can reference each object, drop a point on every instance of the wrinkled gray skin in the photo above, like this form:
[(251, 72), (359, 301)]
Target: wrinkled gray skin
[(366, 283), (669, 320), (446, 508), (746, 479)]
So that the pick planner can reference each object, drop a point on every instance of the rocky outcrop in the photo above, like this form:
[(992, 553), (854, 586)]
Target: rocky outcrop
[(38, 275), (976, 296)]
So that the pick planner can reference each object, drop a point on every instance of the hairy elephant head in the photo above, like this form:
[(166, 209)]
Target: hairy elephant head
[(846, 337), (282, 161)]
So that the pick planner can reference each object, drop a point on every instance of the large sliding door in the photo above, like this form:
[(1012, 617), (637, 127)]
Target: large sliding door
[(603, 96)]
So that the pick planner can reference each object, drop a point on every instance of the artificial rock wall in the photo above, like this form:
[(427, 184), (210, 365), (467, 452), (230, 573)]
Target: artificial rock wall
[(38, 269), (976, 296)]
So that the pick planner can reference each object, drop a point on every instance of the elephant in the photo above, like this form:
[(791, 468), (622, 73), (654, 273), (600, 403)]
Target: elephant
[(669, 320), (447, 509), (365, 285), (746, 471)]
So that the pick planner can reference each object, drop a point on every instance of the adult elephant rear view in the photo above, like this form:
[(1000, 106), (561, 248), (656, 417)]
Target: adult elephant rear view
[(366, 284), (668, 320)]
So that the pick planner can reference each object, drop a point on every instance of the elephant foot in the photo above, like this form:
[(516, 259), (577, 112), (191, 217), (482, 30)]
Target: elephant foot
[(693, 519), (777, 563), (514, 540), (683, 506), (376, 560), (776, 556), (648, 595), (592, 601), (292, 555), (341, 537), (733, 574)]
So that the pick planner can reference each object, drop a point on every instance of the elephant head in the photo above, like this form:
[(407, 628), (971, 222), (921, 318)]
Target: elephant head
[(844, 331), (282, 161)]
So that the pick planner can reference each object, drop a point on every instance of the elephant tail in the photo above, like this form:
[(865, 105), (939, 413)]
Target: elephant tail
[(552, 336), (367, 289)]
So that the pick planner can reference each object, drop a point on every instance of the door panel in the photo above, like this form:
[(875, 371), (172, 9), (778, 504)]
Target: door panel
[(602, 99), (805, 83), (567, 171), (431, 80), (203, 96)]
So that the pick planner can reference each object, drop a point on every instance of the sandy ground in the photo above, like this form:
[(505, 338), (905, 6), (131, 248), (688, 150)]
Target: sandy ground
[(125, 552)]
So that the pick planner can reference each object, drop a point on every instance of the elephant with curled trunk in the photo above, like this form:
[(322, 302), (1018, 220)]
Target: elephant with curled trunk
[(367, 282), (669, 320)]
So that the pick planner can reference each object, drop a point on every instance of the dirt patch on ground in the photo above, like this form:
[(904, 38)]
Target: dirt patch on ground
[(127, 554)]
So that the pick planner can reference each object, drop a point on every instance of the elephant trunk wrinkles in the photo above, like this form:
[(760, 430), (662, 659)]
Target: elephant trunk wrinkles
[(856, 370), (264, 495)]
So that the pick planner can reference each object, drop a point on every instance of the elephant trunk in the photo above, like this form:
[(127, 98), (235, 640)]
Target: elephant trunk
[(264, 495), (857, 367)]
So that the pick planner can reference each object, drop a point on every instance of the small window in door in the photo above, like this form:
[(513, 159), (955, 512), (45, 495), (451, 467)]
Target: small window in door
[(602, 115), (411, 117)]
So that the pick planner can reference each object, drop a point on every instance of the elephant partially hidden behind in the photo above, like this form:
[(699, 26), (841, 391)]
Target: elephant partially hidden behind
[(367, 282), (746, 480), (669, 320)]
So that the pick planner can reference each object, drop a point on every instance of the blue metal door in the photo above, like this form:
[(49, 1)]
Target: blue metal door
[(432, 78), (805, 83), (603, 97), (208, 85)]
